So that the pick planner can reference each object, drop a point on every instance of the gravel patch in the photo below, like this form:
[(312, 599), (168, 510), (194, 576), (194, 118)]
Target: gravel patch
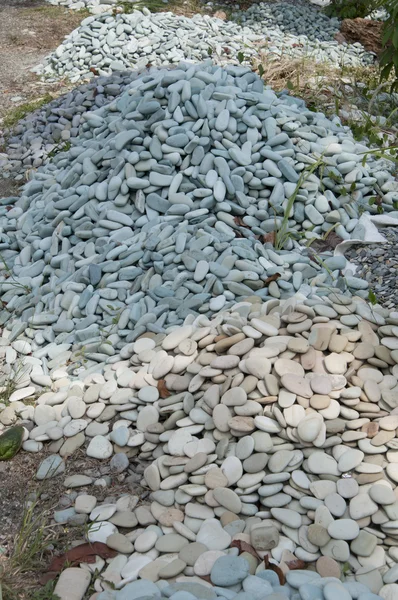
[(378, 265)]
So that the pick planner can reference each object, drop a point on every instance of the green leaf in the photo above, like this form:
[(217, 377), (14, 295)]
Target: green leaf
[(372, 200), (241, 57), (385, 72), (289, 85), (386, 36), (372, 297), (10, 442), (261, 70)]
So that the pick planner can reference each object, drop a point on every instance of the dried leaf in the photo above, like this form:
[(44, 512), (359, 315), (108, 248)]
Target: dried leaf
[(206, 578), (296, 564), (278, 571), (273, 277), (268, 238), (94, 70), (244, 547), (329, 243), (239, 221), (163, 391), (85, 553)]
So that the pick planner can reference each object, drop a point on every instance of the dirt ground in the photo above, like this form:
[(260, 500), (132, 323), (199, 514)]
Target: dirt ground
[(29, 30), (8, 187), (24, 576), (15, 478)]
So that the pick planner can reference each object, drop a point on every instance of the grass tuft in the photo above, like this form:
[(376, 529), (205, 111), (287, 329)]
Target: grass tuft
[(26, 555), (19, 112), (8, 387), (61, 147), (55, 12), (185, 8), (353, 93)]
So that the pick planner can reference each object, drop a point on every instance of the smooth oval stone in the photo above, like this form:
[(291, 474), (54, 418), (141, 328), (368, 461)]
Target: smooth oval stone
[(343, 529), (171, 542), (229, 570), (382, 494), (227, 498)]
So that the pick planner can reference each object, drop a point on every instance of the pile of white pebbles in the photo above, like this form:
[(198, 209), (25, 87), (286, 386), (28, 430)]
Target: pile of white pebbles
[(271, 426), (110, 43), (96, 7), (150, 317), (113, 42)]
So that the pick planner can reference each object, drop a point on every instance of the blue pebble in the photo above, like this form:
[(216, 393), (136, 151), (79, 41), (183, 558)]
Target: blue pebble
[(229, 570), (62, 516), (269, 576)]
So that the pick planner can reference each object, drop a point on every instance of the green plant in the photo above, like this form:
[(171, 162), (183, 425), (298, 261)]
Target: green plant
[(78, 358), (241, 57), (130, 7), (46, 592), (31, 541), (372, 298), (390, 153), (10, 279), (7, 387), (283, 234), (351, 9), (345, 569), (188, 7), (389, 57), (11, 442), (60, 147), (91, 588), (9, 381)]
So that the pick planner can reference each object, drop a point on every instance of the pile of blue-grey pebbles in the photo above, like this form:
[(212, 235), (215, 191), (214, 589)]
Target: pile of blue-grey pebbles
[(114, 41)]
